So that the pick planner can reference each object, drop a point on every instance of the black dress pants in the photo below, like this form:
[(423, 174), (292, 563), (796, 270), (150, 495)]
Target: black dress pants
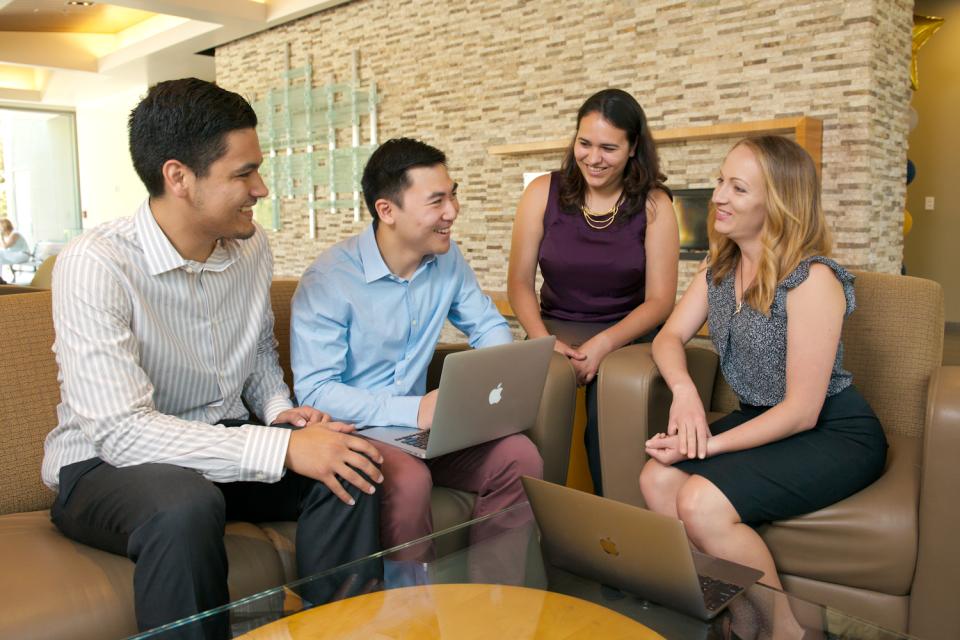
[(170, 522), (591, 438)]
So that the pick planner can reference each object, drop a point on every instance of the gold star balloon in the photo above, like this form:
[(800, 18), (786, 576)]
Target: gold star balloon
[(923, 28)]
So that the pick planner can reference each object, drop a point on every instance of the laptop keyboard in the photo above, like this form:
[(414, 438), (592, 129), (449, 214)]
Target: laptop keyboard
[(418, 439), (717, 592)]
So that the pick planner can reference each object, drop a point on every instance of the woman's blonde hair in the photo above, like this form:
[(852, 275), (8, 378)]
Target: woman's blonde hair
[(6, 225), (794, 228)]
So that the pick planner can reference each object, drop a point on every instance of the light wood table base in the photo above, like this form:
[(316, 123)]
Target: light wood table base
[(462, 611)]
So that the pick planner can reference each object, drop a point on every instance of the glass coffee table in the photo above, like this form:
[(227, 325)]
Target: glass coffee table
[(488, 579)]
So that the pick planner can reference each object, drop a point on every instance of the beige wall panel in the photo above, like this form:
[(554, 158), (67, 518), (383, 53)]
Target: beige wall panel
[(931, 248)]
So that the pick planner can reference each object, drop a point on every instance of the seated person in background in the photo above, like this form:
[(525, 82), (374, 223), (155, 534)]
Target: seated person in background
[(804, 437), (163, 331), (366, 318), (13, 247), (605, 236)]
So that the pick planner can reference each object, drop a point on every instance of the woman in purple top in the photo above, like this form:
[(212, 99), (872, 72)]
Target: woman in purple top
[(604, 234)]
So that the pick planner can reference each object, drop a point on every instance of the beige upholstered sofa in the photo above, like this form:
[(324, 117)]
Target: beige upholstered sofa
[(53, 587), (890, 553)]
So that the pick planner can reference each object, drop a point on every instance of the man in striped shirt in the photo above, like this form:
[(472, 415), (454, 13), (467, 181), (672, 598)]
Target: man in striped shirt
[(164, 331)]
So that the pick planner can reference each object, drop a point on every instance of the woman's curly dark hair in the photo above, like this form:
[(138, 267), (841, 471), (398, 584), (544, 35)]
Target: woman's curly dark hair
[(642, 173)]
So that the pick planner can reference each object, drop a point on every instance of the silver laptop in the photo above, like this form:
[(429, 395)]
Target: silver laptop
[(484, 394), (636, 550)]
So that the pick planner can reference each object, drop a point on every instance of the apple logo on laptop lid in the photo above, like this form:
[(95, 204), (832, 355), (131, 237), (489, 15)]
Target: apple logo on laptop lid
[(495, 394), (609, 546)]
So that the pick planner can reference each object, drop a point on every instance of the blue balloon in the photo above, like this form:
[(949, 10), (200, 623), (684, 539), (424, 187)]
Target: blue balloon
[(911, 171)]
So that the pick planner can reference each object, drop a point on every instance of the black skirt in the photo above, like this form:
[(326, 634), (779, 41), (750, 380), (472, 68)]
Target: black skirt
[(842, 454)]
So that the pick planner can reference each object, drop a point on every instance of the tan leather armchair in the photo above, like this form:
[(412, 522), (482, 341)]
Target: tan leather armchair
[(53, 587), (889, 553)]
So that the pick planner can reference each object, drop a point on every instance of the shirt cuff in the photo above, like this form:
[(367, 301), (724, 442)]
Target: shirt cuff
[(264, 453), (274, 407), (402, 410)]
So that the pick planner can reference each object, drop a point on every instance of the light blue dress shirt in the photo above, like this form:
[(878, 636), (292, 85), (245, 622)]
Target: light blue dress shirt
[(361, 338)]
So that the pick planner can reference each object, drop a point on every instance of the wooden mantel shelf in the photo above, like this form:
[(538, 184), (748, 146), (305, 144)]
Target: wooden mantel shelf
[(807, 131), (503, 303)]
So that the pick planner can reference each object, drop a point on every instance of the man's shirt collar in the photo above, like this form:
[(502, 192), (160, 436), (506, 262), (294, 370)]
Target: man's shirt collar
[(161, 256), (374, 266)]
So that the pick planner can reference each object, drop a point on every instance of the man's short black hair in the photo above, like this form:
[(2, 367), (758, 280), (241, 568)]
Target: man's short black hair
[(185, 120), (385, 175)]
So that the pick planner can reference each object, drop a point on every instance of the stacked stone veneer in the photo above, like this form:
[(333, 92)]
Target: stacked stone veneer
[(465, 75)]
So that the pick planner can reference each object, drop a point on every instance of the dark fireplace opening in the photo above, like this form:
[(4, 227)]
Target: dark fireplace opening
[(691, 207)]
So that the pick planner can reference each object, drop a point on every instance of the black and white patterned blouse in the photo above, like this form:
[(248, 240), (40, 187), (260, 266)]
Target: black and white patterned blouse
[(753, 347)]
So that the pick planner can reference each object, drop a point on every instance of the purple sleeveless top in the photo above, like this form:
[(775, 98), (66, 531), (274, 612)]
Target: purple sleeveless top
[(590, 275)]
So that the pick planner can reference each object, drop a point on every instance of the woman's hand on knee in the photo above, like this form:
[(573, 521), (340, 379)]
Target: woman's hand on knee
[(688, 421), (664, 449)]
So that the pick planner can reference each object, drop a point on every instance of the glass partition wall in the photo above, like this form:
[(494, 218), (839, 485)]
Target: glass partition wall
[(39, 183)]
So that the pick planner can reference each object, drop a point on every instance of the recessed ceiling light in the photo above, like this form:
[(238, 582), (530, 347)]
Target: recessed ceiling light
[(80, 3)]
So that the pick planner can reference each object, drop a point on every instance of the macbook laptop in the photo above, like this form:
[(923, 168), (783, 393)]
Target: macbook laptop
[(484, 394), (636, 550)]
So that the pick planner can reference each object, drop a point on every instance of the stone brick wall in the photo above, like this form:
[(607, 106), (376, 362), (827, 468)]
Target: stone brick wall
[(466, 75)]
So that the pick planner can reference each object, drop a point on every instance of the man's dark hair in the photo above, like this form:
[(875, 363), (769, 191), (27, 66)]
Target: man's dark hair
[(385, 175), (185, 120)]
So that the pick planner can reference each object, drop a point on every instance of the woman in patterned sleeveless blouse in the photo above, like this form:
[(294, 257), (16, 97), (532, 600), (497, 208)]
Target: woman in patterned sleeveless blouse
[(604, 234), (804, 438)]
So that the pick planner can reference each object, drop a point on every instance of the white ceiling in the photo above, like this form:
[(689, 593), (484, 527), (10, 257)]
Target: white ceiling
[(53, 53), (57, 15)]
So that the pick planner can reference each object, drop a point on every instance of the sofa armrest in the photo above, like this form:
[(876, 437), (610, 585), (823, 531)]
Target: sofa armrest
[(933, 600), (553, 430), (15, 289), (632, 402)]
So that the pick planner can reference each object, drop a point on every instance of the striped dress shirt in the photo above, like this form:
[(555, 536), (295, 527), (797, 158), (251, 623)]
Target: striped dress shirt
[(154, 350)]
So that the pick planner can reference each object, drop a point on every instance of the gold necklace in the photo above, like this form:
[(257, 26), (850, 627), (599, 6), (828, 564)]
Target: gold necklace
[(600, 220)]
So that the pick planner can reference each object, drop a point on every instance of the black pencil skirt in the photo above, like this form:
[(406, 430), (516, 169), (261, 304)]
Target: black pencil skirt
[(842, 454)]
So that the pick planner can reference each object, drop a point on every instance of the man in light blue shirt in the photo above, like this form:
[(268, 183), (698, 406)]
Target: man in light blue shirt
[(366, 318)]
